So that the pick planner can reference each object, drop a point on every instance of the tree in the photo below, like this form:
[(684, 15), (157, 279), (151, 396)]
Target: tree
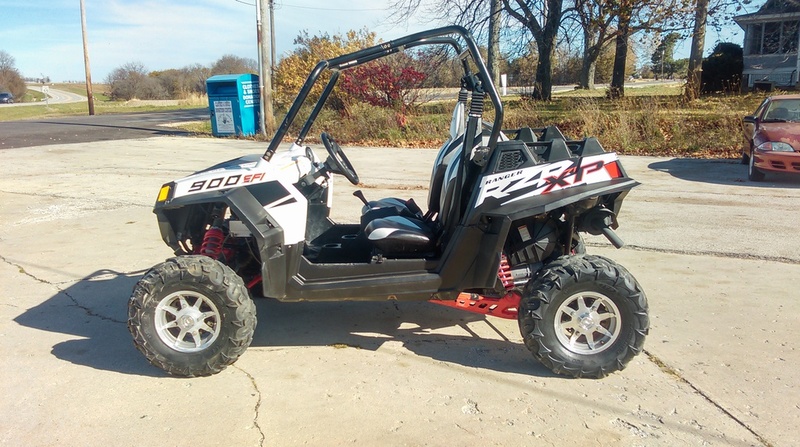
[(600, 21), (522, 69), (10, 78), (392, 83), (712, 13), (291, 72), (544, 33), (595, 17), (493, 52), (131, 81), (232, 64), (662, 58), (641, 15), (195, 78), (540, 19), (693, 76), (605, 63), (441, 70), (722, 70), (617, 87)]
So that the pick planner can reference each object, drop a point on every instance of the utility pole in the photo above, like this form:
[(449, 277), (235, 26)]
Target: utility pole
[(86, 60), (272, 39), (263, 25)]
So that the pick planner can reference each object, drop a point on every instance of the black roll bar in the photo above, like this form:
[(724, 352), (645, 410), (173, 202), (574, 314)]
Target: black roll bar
[(438, 36), (317, 108)]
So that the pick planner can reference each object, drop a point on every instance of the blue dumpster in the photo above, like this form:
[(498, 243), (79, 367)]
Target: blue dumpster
[(234, 103)]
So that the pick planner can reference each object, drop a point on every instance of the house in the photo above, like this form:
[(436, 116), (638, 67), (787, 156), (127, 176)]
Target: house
[(770, 45)]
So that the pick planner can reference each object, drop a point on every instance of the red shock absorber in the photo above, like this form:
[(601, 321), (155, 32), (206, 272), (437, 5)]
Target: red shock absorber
[(213, 243), (504, 273)]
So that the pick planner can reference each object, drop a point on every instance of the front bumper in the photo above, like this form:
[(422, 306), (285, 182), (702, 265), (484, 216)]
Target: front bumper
[(777, 161)]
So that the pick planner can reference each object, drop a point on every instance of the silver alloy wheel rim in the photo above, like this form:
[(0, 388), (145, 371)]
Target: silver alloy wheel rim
[(587, 323), (187, 321)]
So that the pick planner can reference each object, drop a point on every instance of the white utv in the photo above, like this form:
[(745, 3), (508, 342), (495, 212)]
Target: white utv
[(500, 236)]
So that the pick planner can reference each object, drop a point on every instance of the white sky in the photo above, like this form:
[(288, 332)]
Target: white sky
[(44, 36)]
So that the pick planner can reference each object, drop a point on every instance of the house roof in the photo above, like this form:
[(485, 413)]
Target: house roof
[(772, 10), (779, 7)]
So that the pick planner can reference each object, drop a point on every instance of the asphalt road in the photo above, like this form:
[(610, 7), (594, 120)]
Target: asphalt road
[(54, 96), (84, 129)]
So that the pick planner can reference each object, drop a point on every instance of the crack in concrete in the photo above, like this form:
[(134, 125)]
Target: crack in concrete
[(258, 404), (75, 302), (673, 372), (719, 254)]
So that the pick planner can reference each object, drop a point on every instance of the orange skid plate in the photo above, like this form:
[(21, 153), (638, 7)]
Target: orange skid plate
[(505, 307)]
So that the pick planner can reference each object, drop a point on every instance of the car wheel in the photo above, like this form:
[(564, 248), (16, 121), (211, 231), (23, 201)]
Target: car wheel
[(753, 173), (191, 316), (585, 316)]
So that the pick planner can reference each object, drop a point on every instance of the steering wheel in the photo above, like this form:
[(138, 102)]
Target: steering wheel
[(337, 161)]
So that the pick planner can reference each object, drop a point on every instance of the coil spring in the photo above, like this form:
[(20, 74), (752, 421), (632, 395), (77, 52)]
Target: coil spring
[(504, 273), (212, 243)]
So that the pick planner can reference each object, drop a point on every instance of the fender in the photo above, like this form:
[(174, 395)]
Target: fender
[(174, 217), (481, 241)]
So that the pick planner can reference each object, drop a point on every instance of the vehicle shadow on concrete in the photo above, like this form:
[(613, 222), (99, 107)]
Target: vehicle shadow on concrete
[(426, 329), (94, 310), (721, 172)]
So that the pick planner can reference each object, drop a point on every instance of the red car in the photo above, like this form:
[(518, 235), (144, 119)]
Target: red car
[(772, 137)]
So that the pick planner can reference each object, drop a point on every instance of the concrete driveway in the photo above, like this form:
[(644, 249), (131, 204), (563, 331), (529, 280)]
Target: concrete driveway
[(718, 256)]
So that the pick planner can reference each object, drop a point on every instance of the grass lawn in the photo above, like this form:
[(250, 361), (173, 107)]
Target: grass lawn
[(652, 120)]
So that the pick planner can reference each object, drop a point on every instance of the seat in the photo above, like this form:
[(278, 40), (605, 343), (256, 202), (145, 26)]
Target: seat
[(551, 151), (403, 207), (399, 236), (404, 235), (526, 135), (406, 207)]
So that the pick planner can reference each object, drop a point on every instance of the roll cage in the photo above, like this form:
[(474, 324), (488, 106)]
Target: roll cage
[(479, 82)]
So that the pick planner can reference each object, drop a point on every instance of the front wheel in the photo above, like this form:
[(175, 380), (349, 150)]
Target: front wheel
[(585, 316), (753, 173), (191, 316)]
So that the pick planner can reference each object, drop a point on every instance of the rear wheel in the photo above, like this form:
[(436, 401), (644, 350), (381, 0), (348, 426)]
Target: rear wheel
[(191, 316), (585, 316)]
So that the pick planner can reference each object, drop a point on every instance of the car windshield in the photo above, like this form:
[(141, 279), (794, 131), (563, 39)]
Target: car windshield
[(783, 110)]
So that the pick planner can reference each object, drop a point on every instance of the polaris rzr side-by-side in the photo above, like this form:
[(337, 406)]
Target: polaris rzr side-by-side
[(501, 236)]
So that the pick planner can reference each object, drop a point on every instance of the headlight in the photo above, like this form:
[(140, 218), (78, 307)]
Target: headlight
[(776, 146)]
